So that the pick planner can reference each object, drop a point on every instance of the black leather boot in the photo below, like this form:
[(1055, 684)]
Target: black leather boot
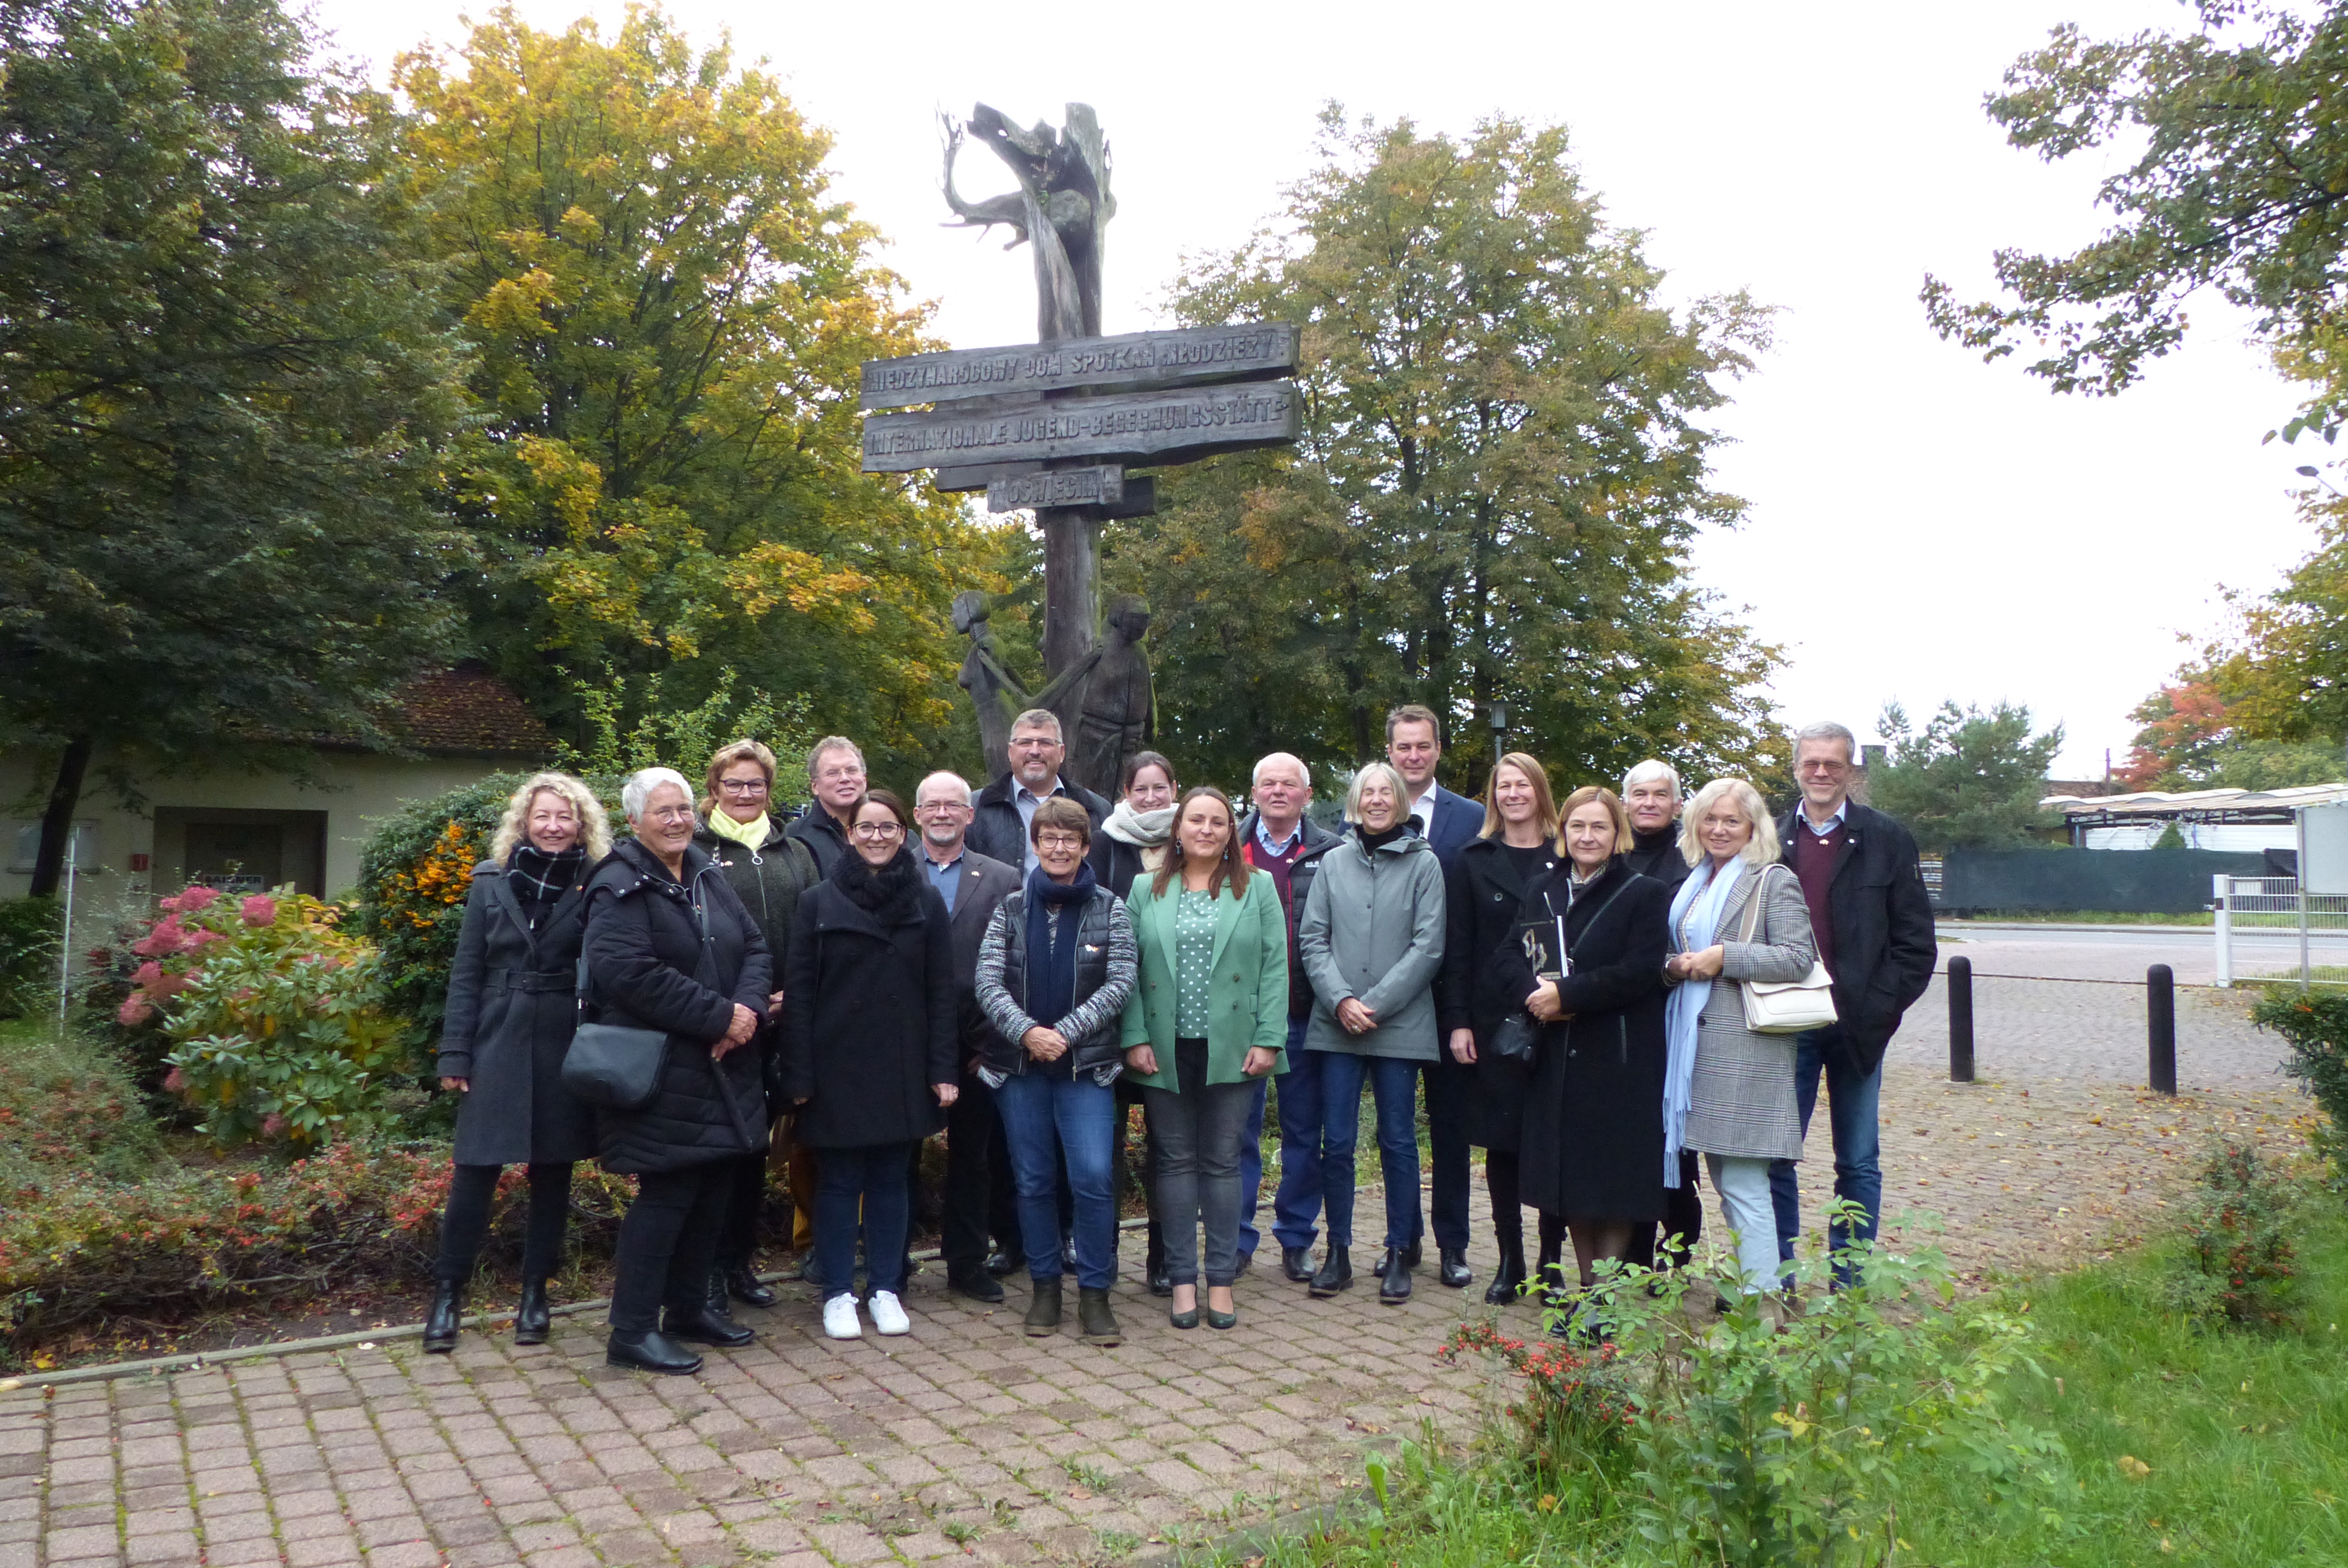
[(1094, 1321), (704, 1324), (533, 1319), (1394, 1277), (1296, 1263), (1043, 1318), (1153, 1272), (744, 1285), (1509, 1279), (971, 1279), (1451, 1266), (1337, 1271), (442, 1319), (649, 1352), (1410, 1254)]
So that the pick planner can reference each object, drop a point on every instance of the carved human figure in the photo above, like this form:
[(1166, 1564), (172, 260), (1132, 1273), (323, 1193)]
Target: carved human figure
[(1062, 208), (1107, 703), (987, 682)]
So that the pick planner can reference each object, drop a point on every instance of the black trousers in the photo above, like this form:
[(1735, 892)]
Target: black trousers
[(668, 1241), (745, 1199), (978, 1198), (467, 1221), (1682, 1217), (1448, 1083), (1503, 1179)]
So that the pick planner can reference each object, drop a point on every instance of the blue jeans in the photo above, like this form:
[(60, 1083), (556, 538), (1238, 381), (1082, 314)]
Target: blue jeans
[(1042, 1119), (1851, 1099), (872, 1180), (1251, 1166), (1394, 1084), (1296, 1203)]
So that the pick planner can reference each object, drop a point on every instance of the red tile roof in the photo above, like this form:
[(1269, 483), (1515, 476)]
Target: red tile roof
[(470, 712)]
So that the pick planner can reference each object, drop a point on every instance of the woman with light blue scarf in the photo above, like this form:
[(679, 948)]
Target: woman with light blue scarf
[(1728, 1092)]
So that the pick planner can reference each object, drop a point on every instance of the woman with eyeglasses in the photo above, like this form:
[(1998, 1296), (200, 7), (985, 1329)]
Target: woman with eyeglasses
[(1054, 973), (768, 870), (869, 1052)]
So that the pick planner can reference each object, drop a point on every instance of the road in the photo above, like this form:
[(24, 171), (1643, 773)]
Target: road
[(2125, 952)]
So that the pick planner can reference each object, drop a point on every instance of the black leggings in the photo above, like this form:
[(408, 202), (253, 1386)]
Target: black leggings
[(467, 1221), (668, 1243), (1501, 1179), (746, 1204)]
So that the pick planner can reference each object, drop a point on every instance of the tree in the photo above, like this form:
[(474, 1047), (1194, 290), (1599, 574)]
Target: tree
[(1969, 780), (2193, 739), (1504, 463), (222, 389), (669, 311)]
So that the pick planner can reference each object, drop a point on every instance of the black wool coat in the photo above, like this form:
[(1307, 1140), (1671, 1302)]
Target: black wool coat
[(1884, 944), (646, 939), (510, 1011), (1593, 1138), (871, 1008), (1485, 981), (996, 832)]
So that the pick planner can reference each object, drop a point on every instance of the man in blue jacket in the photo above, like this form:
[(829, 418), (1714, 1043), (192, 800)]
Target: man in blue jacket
[(1449, 823)]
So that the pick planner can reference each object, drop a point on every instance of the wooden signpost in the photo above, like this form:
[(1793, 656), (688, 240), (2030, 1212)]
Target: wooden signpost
[(1052, 425)]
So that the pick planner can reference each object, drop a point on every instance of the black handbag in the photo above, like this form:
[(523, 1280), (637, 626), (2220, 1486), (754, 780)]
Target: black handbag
[(611, 1065), (1513, 1037)]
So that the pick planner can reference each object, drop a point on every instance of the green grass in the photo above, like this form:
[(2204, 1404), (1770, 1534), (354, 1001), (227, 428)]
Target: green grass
[(2245, 1435)]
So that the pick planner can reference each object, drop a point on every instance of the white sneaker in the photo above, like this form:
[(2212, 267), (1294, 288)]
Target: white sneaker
[(888, 1315), (840, 1318)]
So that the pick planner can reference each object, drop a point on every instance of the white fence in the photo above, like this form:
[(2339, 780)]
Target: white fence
[(2271, 903)]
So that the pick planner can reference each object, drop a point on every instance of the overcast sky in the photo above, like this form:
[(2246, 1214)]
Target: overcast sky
[(1922, 526)]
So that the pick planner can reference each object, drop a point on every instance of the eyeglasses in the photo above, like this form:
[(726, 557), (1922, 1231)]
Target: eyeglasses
[(938, 806), (845, 770), (672, 813), (1058, 841), (876, 832), (1033, 742), (743, 787)]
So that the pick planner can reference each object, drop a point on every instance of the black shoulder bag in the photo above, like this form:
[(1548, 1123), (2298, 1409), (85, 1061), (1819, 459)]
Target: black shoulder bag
[(612, 1065), (1518, 1034)]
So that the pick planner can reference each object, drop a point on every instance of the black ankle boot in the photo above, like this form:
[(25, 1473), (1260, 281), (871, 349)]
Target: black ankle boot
[(533, 1319), (443, 1317), (649, 1352), (1509, 1279), (1394, 1276), (1451, 1266), (745, 1286), (704, 1324), (1337, 1271)]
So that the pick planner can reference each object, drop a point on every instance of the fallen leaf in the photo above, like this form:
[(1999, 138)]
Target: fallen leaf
[(2132, 1468)]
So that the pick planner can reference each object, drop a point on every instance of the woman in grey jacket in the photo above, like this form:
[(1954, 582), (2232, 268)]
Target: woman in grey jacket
[(1728, 1092), (1371, 941)]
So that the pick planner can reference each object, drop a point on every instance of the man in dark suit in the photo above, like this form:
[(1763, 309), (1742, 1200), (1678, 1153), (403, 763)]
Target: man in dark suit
[(1873, 924), (1449, 823), (998, 829), (978, 1195)]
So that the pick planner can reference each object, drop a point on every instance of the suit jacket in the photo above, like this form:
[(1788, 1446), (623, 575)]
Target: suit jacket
[(1459, 821), (1884, 946), (980, 884)]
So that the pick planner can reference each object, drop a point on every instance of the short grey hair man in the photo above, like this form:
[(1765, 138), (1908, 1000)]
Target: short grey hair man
[(1649, 770), (825, 747), (1039, 719), (1827, 731), (1280, 759), (922, 794)]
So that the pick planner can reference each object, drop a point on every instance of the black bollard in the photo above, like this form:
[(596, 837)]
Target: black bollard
[(1960, 1021), (2160, 1021)]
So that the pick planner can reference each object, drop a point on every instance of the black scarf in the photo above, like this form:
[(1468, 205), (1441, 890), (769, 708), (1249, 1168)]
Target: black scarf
[(880, 891), (1374, 841), (1055, 912), (540, 877)]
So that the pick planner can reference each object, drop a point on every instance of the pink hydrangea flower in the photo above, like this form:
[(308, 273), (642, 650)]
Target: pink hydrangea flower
[(174, 1081), (273, 1124), (148, 975), (203, 936), (134, 1010), (192, 900), (260, 909), (168, 938)]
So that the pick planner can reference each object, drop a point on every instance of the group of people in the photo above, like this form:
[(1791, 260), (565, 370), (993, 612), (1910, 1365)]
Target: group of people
[(1017, 966)]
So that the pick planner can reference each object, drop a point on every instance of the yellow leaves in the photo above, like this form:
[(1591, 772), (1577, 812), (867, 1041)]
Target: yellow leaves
[(1549, 1502), (770, 574), (518, 306), (1796, 1426), (2132, 1467)]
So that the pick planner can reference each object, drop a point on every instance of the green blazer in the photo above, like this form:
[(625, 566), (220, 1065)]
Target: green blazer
[(1250, 980)]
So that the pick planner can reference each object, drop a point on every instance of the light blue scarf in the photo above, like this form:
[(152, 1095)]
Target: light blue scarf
[(1695, 915)]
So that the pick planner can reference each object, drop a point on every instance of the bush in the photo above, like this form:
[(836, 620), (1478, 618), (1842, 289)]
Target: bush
[(1575, 1410), (2237, 1263), (1759, 1443), (2315, 1026), (67, 1104), (276, 1017), (29, 928), (414, 873)]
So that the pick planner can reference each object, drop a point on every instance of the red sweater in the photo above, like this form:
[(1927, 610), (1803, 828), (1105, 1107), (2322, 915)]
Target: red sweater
[(1814, 866)]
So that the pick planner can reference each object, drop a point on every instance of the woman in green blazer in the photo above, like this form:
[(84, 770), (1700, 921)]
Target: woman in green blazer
[(1207, 1020)]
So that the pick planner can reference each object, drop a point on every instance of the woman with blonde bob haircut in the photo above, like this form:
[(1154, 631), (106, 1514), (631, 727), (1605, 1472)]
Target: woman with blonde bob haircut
[(1728, 1092), (504, 1035)]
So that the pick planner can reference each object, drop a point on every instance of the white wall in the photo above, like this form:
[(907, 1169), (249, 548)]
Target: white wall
[(354, 789), (2248, 838)]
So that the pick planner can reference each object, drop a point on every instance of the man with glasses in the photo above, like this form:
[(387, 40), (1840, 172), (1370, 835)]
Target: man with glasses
[(1005, 807), (978, 1195), (835, 770)]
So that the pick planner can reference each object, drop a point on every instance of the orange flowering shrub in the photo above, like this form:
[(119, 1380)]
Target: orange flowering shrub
[(1574, 1405)]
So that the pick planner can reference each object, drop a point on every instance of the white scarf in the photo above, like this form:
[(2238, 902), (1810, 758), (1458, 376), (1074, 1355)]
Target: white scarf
[(1142, 829), (1695, 916)]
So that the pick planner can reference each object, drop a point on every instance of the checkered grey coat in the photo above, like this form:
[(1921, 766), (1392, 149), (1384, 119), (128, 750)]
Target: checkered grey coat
[(1741, 1097)]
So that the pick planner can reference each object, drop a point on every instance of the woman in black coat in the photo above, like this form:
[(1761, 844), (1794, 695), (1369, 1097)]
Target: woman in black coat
[(1593, 1140), (504, 1035), (870, 1024), (670, 947), (1485, 981)]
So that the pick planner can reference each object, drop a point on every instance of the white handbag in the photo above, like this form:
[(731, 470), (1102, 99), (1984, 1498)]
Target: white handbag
[(1784, 1006)]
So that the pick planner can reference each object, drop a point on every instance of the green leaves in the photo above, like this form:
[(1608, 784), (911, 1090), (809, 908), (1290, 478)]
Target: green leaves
[(1969, 780)]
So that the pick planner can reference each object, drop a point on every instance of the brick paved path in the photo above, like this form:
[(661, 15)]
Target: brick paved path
[(967, 1439)]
